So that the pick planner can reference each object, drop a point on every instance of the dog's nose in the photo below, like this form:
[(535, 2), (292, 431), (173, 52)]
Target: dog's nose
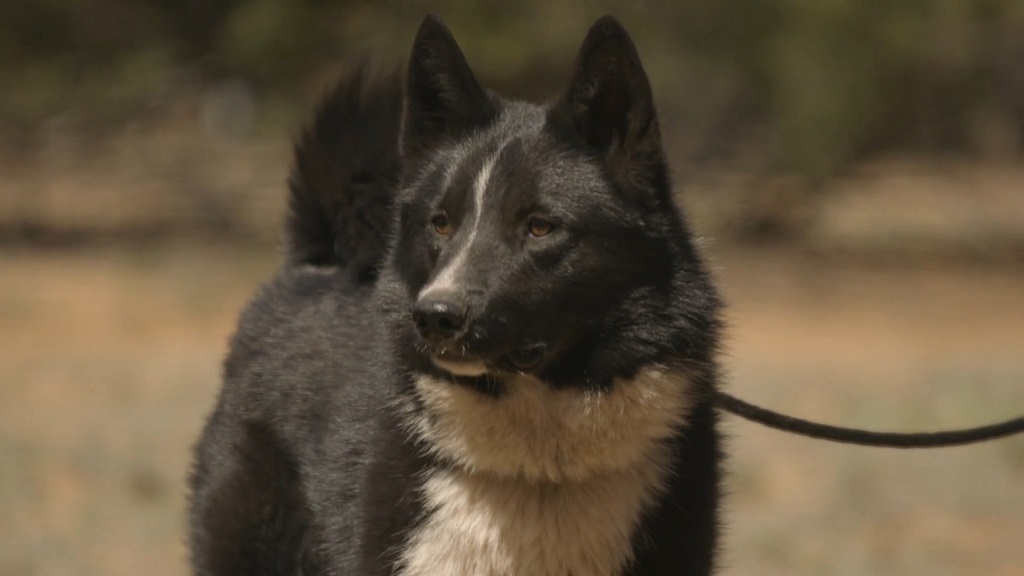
[(439, 317)]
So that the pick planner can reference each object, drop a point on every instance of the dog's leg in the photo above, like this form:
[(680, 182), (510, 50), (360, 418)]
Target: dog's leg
[(249, 516)]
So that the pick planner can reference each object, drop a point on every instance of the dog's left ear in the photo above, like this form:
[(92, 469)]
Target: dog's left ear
[(609, 109), (443, 98)]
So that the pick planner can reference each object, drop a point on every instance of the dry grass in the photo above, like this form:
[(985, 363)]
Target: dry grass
[(902, 349), (109, 361), (109, 364)]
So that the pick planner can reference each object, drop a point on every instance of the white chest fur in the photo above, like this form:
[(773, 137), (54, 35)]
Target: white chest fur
[(547, 482), (481, 525)]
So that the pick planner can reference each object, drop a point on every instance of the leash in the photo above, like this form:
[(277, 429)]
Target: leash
[(802, 427)]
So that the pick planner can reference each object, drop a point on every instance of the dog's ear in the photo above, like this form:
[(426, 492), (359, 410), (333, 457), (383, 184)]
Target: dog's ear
[(608, 107), (443, 97)]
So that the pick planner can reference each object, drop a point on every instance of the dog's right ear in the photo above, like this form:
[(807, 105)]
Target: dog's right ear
[(443, 97)]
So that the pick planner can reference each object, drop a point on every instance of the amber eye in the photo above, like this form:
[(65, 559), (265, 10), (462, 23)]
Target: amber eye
[(441, 224), (539, 227)]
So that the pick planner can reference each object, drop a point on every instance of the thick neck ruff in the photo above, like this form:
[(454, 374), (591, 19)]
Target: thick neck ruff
[(537, 433), (545, 482)]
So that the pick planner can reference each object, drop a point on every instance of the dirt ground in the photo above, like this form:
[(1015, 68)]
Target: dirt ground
[(109, 361)]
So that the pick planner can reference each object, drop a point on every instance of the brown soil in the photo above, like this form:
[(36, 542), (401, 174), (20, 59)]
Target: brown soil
[(109, 361)]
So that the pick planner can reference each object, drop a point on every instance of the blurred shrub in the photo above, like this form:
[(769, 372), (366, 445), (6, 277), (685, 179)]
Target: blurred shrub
[(814, 84), (272, 41)]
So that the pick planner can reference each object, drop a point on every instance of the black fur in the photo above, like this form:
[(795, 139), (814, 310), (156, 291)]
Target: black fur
[(445, 100), (305, 467), (345, 171)]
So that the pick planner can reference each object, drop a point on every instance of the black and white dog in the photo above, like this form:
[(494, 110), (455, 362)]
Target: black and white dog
[(492, 348)]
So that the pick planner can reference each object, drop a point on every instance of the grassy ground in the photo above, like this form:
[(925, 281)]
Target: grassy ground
[(897, 348), (109, 361)]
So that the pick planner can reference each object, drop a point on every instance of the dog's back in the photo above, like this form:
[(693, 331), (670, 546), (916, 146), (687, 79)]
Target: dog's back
[(491, 353), (302, 351)]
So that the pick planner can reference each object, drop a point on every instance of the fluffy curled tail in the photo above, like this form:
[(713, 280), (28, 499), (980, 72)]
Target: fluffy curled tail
[(343, 178)]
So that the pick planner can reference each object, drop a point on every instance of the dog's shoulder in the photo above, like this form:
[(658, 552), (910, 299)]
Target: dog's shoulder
[(308, 344)]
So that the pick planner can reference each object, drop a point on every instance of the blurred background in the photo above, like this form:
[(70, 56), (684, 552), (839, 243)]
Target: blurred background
[(856, 168)]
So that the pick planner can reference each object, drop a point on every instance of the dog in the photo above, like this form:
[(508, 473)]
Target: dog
[(491, 349)]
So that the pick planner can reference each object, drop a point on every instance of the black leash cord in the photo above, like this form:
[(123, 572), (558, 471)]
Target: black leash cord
[(866, 437)]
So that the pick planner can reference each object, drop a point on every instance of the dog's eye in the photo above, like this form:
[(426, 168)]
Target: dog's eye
[(539, 227), (441, 224)]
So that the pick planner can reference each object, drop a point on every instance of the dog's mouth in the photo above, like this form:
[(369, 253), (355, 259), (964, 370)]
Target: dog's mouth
[(457, 363), (464, 364)]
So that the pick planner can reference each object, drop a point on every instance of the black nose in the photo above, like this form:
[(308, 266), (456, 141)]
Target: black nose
[(439, 317)]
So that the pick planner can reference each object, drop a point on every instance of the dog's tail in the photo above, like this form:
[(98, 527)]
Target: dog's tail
[(345, 171)]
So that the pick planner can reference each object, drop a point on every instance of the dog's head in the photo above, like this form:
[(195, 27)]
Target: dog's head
[(540, 240)]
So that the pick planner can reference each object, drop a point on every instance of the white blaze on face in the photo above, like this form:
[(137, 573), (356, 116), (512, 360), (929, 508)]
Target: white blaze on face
[(449, 276)]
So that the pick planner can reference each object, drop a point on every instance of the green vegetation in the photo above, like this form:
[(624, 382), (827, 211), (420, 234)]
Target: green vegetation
[(816, 83)]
